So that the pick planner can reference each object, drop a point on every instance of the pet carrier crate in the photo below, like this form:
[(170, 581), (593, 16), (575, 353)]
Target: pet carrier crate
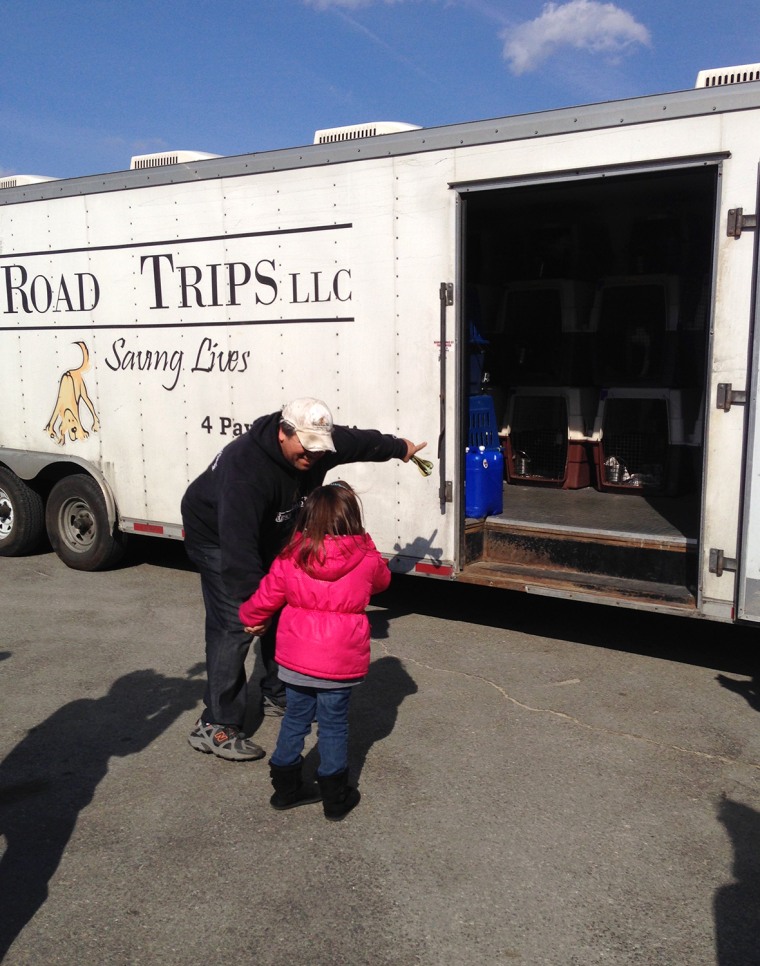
[(547, 435), (634, 323), (647, 440), (546, 332), (483, 430)]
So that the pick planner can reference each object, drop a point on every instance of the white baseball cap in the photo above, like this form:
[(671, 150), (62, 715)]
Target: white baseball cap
[(313, 423)]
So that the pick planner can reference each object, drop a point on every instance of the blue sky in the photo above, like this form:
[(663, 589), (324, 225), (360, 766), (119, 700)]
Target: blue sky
[(86, 84)]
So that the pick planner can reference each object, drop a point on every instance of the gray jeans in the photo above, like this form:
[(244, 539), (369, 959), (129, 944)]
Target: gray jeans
[(227, 646)]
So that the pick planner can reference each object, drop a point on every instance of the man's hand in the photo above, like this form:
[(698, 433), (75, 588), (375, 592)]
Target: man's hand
[(412, 448)]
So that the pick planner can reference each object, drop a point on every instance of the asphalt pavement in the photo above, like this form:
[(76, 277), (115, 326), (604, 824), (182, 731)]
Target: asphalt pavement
[(543, 782)]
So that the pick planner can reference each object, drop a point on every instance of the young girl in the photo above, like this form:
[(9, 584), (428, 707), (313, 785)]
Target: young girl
[(324, 577)]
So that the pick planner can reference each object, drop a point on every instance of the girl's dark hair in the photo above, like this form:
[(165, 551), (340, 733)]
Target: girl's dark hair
[(332, 510)]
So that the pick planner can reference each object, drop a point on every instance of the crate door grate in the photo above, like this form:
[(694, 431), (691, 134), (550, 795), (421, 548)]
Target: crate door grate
[(635, 440), (539, 432), (482, 429)]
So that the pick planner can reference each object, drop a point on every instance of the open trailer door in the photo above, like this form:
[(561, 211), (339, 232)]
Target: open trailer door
[(748, 569)]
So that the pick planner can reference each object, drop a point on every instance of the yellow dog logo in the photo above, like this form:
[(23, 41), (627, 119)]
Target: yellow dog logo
[(72, 390)]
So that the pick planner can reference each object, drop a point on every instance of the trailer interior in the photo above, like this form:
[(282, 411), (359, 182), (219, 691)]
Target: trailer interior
[(586, 311)]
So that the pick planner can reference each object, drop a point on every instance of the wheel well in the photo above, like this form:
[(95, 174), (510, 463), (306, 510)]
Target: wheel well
[(41, 473), (49, 475)]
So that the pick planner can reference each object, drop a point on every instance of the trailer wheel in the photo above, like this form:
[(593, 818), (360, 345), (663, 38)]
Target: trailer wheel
[(22, 516), (77, 525)]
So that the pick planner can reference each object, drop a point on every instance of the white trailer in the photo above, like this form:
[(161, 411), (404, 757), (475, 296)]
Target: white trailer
[(591, 270)]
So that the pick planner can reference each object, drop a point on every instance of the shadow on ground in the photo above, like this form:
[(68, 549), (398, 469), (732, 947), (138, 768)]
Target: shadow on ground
[(737, 905), (52, 774)]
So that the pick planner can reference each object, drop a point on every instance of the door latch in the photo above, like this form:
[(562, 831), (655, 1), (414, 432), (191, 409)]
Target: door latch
[(738, 222), (719, 563), (728, 397)]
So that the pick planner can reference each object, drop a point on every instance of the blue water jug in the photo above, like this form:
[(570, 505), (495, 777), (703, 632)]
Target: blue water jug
[(483, 481)]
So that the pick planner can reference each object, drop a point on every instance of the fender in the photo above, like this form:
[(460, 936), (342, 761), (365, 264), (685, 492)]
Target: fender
[(28, 464)]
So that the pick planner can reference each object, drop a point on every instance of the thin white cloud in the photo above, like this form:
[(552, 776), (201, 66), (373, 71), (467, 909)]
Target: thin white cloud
[(340, 6), (407, 61), (601, 28)]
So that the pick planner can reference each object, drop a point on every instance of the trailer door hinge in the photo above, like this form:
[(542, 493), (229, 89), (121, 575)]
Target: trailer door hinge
[(447, 293), (447, 492), (719, 563), (739, 222), (728, 397)]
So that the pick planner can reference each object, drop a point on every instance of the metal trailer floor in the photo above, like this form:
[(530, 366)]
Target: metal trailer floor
[(672, 519)]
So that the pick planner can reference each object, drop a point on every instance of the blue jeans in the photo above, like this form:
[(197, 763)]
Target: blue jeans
[(227, 645), (331, 708)]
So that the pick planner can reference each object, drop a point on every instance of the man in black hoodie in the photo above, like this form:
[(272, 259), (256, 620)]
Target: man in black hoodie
[(238, 515)]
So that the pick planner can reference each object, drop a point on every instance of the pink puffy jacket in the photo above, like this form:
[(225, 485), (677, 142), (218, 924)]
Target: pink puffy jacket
[(323, 630)]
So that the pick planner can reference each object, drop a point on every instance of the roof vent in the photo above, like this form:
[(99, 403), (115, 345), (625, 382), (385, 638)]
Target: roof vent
[(721, 76), (370, 130), (19, 180), (168, 157)]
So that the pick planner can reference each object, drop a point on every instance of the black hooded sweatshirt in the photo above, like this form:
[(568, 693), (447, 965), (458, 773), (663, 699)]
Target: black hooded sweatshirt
[(247, 500)]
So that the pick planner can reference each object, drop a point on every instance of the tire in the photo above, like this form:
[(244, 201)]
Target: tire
[(22, 516), (77, 525)]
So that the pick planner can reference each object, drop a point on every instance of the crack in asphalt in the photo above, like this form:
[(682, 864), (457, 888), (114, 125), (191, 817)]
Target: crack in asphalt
[(563, 715)]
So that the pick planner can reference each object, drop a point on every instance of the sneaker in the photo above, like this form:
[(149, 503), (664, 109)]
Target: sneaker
[(224, 741), (271, 708)]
